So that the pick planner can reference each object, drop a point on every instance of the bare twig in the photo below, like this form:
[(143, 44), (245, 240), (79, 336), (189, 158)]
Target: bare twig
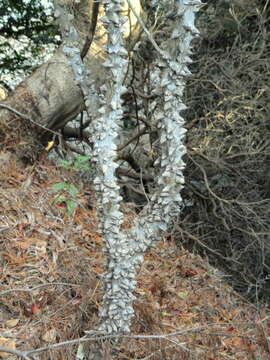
[(127, 172), (96, 336), (150, 37), (226, 201), (28, 118), (139, 134), (196, 239), (21, 354), (35, 287), (99, 337)]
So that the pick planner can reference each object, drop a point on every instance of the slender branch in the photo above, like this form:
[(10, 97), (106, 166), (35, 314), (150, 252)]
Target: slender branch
[(144, 96), (26, 117), (99, 337), (130, 160), (150, 37), (129, 173), (90, 36), (137, 191), (134, 137), (35, 287), (21, 354)]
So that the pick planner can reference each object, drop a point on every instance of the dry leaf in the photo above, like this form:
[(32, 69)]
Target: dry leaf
[(11, 323), (8, 344), (49, 335), (49, 146), (39, 245), (3, 93)]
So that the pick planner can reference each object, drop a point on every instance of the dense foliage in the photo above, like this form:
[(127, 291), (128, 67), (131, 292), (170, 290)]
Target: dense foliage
[(26, 30)]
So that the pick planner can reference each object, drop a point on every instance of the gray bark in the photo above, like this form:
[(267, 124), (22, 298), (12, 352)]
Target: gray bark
[(125, 249)]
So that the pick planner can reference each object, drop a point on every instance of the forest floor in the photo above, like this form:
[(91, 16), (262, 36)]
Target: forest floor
[(51, 285)]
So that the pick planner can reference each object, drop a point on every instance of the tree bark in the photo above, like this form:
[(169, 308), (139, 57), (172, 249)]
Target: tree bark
[(49, 98)]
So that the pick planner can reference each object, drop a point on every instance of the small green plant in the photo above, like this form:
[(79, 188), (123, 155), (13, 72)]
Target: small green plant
[(79, 163), (68, 201)]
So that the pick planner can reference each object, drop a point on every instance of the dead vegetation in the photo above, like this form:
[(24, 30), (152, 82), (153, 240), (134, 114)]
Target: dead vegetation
[(227, 174), (51, 268)]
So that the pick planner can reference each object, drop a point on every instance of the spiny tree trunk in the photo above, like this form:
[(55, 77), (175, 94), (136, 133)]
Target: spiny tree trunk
[(125, 249)]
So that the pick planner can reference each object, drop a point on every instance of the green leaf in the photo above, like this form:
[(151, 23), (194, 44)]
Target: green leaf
[(182, 294), (65, 164), (72, 190), (59, 186), (59, 199), (81, 162), (71, 205), (82, 159), (85, 167)]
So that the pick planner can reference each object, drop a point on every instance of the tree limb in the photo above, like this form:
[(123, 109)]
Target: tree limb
[(90, 35)]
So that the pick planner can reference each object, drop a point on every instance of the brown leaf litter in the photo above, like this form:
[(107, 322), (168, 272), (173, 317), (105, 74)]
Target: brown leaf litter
[(51, 285)]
